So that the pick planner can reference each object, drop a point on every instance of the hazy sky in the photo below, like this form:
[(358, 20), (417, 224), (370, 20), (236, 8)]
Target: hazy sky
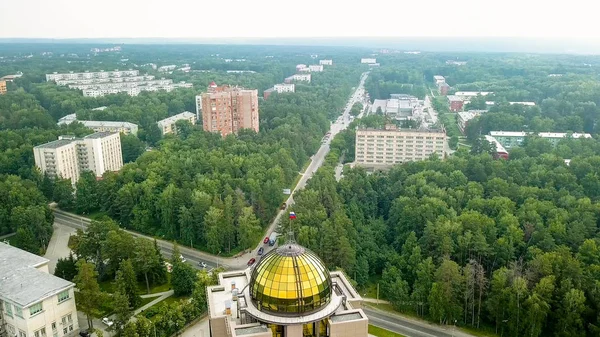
[(304, 18)]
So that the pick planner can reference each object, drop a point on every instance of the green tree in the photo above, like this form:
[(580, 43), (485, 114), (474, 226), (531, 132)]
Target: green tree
[(570, 322), (146, 258), (132, 147), (126, 283), (66, 268), (249, 228), (63, 194), (87, 193), (183, 276), (122, 310), (89, 296)]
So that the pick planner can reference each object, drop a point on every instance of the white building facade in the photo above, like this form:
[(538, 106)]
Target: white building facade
[(315, 68), (68, 157), (383, 148), (326, 62), (167, 125), (34, 303), (368, 60), (284, 87)]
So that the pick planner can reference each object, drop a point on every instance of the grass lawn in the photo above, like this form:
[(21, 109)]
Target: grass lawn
[(379, 332), (449, 121), (174, 299), (109, 287), (95, 215)]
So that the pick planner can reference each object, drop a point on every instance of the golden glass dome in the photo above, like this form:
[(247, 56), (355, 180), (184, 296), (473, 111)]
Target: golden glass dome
[(290, 280)]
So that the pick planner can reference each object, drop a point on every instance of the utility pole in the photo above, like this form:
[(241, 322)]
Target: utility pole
[(377, 293)]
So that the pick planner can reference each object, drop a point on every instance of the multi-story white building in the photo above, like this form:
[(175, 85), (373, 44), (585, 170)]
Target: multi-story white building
[(466, 95), (509, 139), (165, 69), (90, 75), (383, 148), (34, 303), (284, 87), (368, 60), (315, 68), (102, 126), (298, 78), (439, 79), (68, 157), (167, 125), (326, 62), (464, 117)]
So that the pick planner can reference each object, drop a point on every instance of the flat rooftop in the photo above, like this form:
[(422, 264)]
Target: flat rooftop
[(55, 144), (20, 280), (250, 330), (346, 317), (97, 135)]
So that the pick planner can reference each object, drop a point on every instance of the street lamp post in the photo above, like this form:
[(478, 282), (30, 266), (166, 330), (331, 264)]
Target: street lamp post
[(218, 259)]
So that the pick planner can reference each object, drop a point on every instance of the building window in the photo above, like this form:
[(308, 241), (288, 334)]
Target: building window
[(22, 333), (65, 331), (18, 311), (53, 326), (40, 333), (8, 308), (63, 296), (36, 308)]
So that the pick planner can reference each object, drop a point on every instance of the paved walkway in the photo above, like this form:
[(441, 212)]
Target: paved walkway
[(59, 245), (162, 296)]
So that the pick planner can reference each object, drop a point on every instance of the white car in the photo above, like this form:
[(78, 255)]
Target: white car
[(182, 258), (107, 321), (202, 264)]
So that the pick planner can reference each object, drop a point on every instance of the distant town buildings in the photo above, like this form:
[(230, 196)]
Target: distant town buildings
[(368, 60), (301, 67), (105, 50), (168, 68), (168, 126), (67, 157), (510, 139), (399, 106), (2, 87), (464, 117), (102, 126), (499, 150), (298, 78), (33, 302), (383, 148), (326, 62), (456, 63), (10, 78), (315, 68), (466, 95), (440, 82), (456, 103), (227, 110), (95, 84), (279, 88)]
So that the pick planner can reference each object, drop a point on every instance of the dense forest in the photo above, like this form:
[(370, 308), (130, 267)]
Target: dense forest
[(510, 244)]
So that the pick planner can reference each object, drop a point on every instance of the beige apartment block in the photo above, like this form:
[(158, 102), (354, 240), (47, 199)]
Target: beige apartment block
[(383, 148), (2, 87), (227, 110), (34, 303), (67, 157)]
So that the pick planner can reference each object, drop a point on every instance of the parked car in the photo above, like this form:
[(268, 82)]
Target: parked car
[(182, 258), (202, 264), (251, 262), (261, 250), (107, 321), (266, 240), (84, 333), (283, 206)]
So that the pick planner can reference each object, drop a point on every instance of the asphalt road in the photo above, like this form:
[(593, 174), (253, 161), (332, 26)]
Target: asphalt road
[(192, 257), (406, 327)]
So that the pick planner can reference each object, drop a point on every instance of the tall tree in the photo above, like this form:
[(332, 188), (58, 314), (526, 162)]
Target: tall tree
[(249, 228), (126, 283), (89, 296), (146, 258), (183, 276)]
